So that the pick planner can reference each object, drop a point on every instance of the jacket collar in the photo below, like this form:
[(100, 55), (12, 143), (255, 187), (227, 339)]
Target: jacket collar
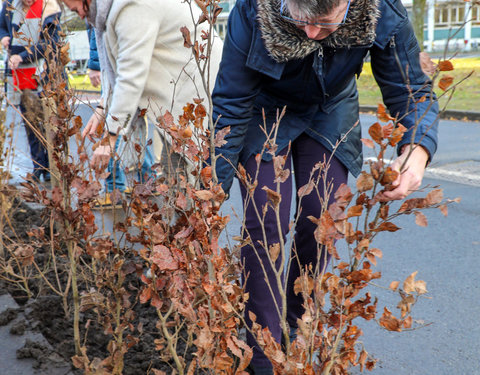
[(285, 42)]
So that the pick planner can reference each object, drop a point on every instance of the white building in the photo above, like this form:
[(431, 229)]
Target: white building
[(457, 22)]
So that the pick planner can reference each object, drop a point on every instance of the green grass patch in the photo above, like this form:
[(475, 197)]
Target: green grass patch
[(81, 82), (465, 98)]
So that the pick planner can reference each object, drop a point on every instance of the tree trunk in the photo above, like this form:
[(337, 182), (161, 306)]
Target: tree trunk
[(418, 20)]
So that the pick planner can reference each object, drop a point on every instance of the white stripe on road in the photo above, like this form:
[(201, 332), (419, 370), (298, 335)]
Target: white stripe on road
[(447, 174), (453, 176)]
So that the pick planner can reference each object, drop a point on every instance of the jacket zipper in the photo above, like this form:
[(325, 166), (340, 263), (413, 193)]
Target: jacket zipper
[(393, 45), (320, 52), (320, 135)]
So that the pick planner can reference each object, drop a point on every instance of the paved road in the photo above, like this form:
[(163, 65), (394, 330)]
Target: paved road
[(445, 254)]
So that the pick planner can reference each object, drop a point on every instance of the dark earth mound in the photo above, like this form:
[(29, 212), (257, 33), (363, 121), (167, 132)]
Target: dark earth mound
[(44, 312)]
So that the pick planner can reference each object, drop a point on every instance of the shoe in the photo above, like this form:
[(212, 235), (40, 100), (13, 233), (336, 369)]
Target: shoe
[(129, 191), (106, 202), (46, 176), (37, 173)]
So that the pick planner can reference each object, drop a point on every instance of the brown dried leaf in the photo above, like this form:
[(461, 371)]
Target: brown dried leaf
[(181, 201), (444, 209), (421, 287), (206, 175), (204, 195), (386, 226), (273, 197), (382, 114), (355, 211), (364, 182), (394, 285), (389, 176), (421, 219), (389, 322), (162, 258), (220, 136), (326, 232), (376, 133), (434, 197), (303, 284), (306, 189), (407, 323), (187, 41), (445, 65), (274, 251), (397, 134), (445, 82), (362, 359), (387, 130), (411, 204), (368, 142), (343, 195), (409, 283)]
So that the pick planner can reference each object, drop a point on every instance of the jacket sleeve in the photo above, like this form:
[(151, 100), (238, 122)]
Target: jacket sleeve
[(235, 90), (93, 62), (406, 90), (4, 29), (135, 51), (49, 36)]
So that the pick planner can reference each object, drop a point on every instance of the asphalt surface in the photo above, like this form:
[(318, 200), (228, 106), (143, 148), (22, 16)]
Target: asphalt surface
[(445, 254)]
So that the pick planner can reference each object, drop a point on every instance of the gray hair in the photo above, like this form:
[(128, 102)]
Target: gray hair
[(309, 9)]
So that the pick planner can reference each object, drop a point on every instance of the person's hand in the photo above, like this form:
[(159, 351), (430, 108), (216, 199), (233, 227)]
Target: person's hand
[(410, 177), (95, 77), (93, 125), (14, 61), (101, 156), (426, 63), (5, 42)]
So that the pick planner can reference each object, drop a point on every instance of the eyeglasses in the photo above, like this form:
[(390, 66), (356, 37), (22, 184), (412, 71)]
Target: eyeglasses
[(283, 14)]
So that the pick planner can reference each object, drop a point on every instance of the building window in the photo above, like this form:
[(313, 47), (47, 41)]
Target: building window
[(475, 14), (453, 14)]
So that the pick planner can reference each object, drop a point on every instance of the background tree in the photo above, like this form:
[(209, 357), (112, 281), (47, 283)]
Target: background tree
[(418, 19)]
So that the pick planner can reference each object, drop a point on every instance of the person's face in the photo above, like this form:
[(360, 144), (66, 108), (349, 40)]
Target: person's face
[(77, 6), (318, 28), (28, 3)]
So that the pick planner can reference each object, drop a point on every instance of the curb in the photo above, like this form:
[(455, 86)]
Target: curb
[(449, 114)]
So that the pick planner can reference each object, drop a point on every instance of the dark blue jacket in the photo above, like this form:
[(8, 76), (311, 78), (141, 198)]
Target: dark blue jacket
[(49, 35), (319, 91), (93, 61)]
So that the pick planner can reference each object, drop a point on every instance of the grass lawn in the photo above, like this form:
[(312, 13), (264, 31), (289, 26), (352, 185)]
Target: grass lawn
[(81, 82), (466, 96)]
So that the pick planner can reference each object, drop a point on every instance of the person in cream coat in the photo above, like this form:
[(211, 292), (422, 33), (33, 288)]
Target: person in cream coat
[(144, 64)]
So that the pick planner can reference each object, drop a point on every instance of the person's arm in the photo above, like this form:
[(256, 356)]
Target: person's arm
[(407, 92), (136, 28), (135, 50), (49, 36), (4, 30), (93, 63), (235, 90)]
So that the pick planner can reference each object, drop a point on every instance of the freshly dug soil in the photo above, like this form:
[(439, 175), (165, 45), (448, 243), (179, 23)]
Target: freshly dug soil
[(44, 312)]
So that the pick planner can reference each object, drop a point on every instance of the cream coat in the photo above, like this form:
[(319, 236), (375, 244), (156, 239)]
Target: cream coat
[(153, 69)]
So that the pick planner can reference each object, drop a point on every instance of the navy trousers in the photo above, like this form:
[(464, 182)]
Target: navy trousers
[(38, 152), (264, 302)]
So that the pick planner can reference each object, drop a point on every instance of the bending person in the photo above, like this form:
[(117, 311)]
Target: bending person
[(304, 55), (144, 63)]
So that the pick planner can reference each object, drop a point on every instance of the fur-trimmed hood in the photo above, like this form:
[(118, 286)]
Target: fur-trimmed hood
[(284, 41)]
